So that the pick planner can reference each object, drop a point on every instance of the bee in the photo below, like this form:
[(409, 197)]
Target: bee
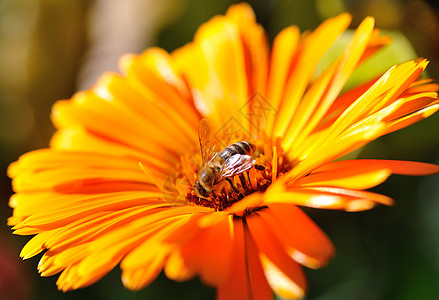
[(232, 160)]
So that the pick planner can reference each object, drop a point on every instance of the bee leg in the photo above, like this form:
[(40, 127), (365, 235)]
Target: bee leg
[(244, 182), (232, 185)]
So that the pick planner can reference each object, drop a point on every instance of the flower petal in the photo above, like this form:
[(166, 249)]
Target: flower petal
[(255, 46), (396, 166), (135, 279), (237, 284), (313, 106), (412, 118), (145, 84), (390, 86), (334, 149), (284, 275), (331, 198), (299, 235), (353, 200), (36, 244), (209, 252), (62, 215), (357, 179), (105, 120), (246, 279), (282, 55), (214, 65), (314, 46), (216, 252), (260, 289), (175, 267)]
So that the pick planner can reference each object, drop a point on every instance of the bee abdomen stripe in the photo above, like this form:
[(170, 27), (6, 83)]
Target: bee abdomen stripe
[(237, 149), (245, 146)]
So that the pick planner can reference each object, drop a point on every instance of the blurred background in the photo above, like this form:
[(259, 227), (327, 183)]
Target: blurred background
[(51, 48)]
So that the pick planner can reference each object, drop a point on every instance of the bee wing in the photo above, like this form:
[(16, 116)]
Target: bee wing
[(207, 145), (236, 164)]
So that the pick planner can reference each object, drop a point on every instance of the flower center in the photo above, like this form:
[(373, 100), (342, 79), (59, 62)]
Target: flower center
[(268, 165), (233, 189)]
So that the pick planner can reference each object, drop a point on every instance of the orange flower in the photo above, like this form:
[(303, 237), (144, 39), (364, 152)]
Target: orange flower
[(117, 183)]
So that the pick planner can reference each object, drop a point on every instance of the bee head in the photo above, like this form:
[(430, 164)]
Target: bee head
[(206, 177), (200, 190)]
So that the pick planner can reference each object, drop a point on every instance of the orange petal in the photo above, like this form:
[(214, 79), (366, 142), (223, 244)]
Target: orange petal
[(315, 45), (63, 178), (298, 234), (209, 250), (390, 85), (246, 279), (357, 179), (215, 68), (330, 198), (354, 200), (237, 284), (260, 289), (160, 63), (284, 275), (36, 244), (216, 252), (80, 140), (412, 118), (348, 97), (319, 154), (65, 214), (255, 46), (300, 128), (89, 261), (396, 166), (176, 268), (91, 227), (282, 53), (413, 103), (114, 124), (145, 86), (137, 278), (313, 107)]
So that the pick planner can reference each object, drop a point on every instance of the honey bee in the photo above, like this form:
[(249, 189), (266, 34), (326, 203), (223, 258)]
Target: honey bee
[(232, 160)]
